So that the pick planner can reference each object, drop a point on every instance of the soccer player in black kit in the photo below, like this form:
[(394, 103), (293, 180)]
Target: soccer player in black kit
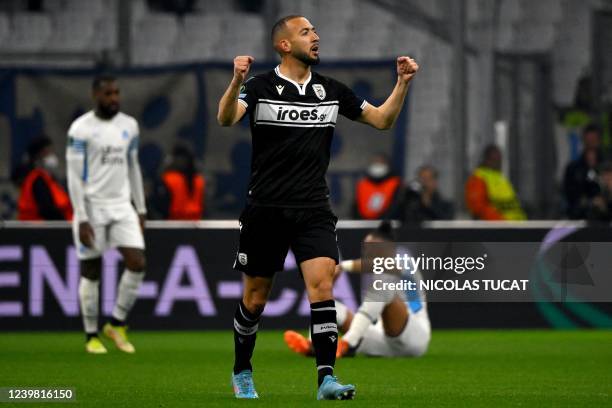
[(292, 113)]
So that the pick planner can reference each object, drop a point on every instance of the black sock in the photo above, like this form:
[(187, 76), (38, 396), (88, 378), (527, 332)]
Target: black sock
[(324, 333), (245, 333), (88, 336), (116, 322)]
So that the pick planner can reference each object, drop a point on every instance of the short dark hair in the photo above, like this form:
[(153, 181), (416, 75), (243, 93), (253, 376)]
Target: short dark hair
[(381, 155), (428, 167), (490, 148), (97, 81), (38, 145), (591, 127), (281, 24)]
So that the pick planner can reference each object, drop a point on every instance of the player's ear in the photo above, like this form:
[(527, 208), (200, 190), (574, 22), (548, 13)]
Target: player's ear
[(284, 45)]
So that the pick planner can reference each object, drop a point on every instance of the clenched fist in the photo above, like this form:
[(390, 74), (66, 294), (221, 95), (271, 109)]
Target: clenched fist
[(406, 68), (242, 64)]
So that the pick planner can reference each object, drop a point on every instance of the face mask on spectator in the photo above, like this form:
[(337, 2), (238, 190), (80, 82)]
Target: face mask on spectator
[(378, 170), (50, 162)]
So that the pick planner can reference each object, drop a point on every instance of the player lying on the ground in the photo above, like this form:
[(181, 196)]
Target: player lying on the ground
[(387, 324)]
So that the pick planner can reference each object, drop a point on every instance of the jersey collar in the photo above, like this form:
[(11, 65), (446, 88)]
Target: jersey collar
[(301, 88)]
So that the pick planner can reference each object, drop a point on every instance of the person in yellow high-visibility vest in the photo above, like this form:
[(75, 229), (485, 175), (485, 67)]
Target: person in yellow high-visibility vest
[(489, 194)]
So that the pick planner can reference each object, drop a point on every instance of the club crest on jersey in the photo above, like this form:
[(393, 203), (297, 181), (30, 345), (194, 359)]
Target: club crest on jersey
[(319, 91), (279, 89)]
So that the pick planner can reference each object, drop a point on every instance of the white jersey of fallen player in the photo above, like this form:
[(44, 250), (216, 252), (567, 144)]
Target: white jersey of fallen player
[(367, 330), (100, 153), (416, 299)]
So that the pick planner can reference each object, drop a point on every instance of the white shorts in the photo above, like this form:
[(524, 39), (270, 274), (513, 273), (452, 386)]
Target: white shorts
[(114, 226), (412, 342)]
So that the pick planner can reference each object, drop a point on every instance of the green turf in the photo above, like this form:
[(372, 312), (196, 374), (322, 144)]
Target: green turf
[(462, 368)]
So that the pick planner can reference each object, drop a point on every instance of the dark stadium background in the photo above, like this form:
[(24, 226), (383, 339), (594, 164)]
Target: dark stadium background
[(510, 72)]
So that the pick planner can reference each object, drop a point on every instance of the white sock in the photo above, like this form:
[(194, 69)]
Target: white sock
[(127, 293), (367, 314), (341, 312), (89, 299), (370, 310)]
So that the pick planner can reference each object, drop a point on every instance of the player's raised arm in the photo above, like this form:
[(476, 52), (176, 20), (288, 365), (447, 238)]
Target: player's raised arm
[(230, 110), (385, 115)]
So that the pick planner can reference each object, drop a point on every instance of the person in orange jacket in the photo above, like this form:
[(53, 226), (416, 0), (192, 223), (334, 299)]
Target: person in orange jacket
[(42, 197), (377, 194), (183, 188), (489, 194)]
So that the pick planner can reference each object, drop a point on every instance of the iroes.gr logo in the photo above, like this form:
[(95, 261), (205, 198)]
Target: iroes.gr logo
[(294, 114)]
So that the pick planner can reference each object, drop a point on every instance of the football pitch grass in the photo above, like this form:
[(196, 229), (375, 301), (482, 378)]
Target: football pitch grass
[(474, 368)]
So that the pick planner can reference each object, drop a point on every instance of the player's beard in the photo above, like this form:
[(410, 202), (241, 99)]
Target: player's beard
[(305, 58), (108, 111)]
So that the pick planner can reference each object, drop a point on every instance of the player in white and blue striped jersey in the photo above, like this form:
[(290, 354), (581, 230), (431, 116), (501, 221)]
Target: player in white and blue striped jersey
[(103, 179)]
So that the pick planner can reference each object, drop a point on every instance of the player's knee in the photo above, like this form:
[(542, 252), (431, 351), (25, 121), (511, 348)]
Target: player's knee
[(417, 349), (91, 268), (136, 263), (321, 289), (418, 345), (255, 303)]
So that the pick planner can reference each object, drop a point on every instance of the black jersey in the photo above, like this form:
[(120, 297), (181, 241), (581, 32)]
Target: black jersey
[(292, 127)]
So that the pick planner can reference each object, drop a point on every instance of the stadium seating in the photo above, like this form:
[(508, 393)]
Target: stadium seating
[(153, 38), (93, 8), (29, 32), (72, 31), (214, 7), (198, 38), (105, 34), (571, 54), (4, 28), (242, 33)]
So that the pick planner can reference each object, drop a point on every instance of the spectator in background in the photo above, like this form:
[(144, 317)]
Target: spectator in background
[(42, 197), (600, 210), (182, 189), (422, 201), (489, 195), (580, 182), (377, 194)]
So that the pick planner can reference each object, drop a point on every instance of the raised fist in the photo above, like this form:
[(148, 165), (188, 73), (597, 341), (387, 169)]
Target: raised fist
[(242, 63), (406, 68)]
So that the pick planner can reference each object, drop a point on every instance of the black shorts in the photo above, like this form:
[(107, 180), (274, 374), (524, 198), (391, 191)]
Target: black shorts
[(267, 233)]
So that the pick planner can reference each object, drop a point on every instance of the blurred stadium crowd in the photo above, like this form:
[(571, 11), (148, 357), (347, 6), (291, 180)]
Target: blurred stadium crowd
[(512, 47)]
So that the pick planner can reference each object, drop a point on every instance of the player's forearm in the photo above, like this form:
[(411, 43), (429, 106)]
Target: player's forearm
[(76, 188), (391, 108), (228, 105), (351, 265), (136, 186)]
